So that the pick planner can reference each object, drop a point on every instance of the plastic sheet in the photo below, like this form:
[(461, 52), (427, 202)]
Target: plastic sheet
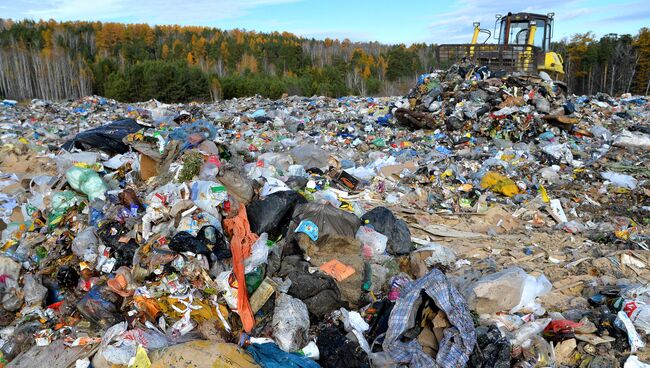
[(107, 138)]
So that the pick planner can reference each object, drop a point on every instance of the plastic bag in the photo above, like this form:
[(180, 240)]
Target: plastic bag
[(624, 323), (86, 181), (34, 291), (396, 230), (107, 138), (65, 160), (99, 307), (280, 161), (183, 241), (210, 169), (84, 245), (500, 184), (634, 362), (259, 254), (237, 185), (202, 353), (532, 288), (310, 156), (290, 323), (270, 356), (373, 243), (59, 204), (331, 221), (620, 180), (629, 139), (511, 289), (272, 214), (639, 314), (327, 196)]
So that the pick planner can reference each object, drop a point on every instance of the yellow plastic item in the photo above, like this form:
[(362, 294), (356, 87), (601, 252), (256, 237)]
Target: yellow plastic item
[(202, 354), (544, 194), (500, 184), (141, 359)]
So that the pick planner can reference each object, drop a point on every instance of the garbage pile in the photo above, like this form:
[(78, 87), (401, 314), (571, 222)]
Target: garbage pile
[(481, 221)]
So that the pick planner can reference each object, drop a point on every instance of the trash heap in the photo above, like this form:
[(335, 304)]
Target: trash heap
[(483, 220)]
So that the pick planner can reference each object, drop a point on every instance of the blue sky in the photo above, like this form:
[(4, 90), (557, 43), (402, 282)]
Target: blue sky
[(386, 21)]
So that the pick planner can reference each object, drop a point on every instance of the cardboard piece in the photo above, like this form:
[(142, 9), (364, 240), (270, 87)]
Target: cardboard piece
[(337, 270), (390, 170), (148, 167)]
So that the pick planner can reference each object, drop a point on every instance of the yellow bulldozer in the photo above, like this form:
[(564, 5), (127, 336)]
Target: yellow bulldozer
[(523, 46)]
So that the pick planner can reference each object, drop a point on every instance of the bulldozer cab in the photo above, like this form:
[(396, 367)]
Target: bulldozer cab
[(515, 30)]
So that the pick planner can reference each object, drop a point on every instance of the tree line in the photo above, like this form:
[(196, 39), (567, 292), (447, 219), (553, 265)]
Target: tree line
[(135, 62)]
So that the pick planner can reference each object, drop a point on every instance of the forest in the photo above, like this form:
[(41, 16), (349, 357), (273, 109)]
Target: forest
[(136, 62)]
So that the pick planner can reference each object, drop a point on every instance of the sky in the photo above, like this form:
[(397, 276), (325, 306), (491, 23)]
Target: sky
[(386, 21)]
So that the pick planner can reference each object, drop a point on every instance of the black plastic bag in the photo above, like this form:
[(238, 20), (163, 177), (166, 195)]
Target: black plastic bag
[(107, 138), (124, 254), (185, 242), (318, 291), (491, 350), (396, 230), (110, 233), (331, 221), (337, 351), (215, 239), (99, 306), (272, 214)]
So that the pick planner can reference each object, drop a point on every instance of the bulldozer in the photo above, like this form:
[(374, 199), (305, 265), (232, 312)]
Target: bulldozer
[(523, 46)]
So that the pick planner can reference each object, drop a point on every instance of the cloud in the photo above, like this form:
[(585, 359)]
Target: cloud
[(642, 14), (148, 11)]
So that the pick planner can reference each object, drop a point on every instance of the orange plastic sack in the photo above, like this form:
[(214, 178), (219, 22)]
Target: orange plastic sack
[(240, 247)]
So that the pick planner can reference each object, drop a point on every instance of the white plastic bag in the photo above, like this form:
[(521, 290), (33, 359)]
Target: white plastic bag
[(259, 254), (625, 323), (373, 243), (620, 180), (634, 362), (290, 323), (532, 288)]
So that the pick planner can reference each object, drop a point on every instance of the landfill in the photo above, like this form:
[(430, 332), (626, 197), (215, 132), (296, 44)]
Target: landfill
[(483, 220)]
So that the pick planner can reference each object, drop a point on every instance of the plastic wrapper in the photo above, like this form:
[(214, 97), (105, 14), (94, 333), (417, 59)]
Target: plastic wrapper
[(525, 333), (84, 245), (207, 195)]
